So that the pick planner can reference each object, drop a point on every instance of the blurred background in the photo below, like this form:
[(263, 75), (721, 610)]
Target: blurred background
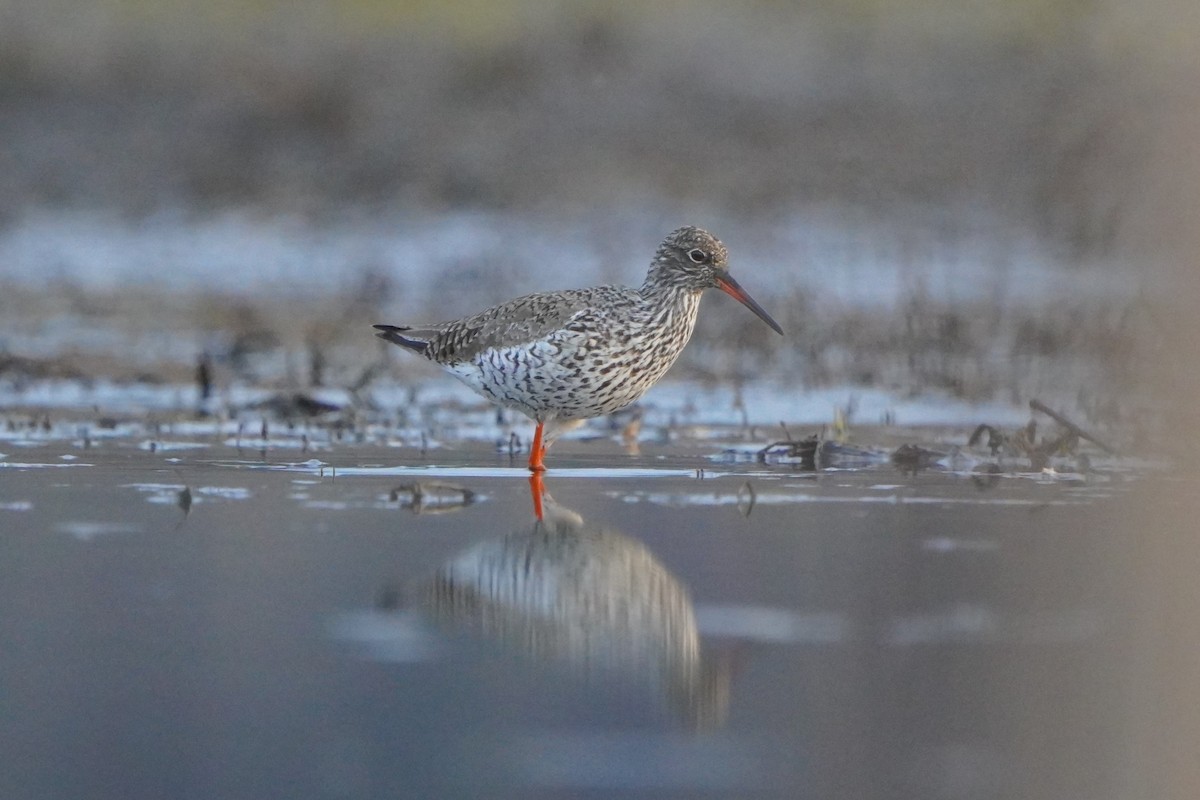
[(979, 201), (947, 203)]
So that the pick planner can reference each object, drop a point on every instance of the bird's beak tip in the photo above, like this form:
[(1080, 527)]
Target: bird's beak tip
[(731, 287)]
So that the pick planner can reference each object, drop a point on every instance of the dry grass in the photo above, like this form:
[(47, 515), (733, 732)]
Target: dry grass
[(1087, 355), (1065, 119)]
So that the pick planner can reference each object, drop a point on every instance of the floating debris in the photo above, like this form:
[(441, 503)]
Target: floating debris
[(431, 497), (913, 458), (1061, 419), (804, 450), (1024, 441), (835, 455), (996, 439), (815, 452)]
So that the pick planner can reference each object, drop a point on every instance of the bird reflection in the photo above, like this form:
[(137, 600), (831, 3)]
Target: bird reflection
[(592, 598)]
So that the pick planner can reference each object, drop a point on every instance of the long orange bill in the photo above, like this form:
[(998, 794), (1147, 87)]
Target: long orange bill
[(729, 286)]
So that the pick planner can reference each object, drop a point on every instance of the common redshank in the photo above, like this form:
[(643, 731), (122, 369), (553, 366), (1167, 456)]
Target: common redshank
[(563, 357)]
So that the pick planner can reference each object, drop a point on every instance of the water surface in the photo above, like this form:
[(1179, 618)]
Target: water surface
[(268, 627)]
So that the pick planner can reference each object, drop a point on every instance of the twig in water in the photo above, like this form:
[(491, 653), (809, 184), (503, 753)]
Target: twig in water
[(1038, 405)]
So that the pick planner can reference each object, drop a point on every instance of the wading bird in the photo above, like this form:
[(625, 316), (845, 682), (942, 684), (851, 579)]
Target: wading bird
[(563, 357)]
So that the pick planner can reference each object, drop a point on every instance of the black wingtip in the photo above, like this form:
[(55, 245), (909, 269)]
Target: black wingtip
[(386, 332), (391, 333)]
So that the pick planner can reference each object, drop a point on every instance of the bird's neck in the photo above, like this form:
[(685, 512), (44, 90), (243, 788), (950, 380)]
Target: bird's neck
[(662, 280), (661, 286), (670, 301)]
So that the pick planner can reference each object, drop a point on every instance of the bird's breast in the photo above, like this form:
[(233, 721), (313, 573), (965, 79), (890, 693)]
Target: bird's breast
[(594, 365)]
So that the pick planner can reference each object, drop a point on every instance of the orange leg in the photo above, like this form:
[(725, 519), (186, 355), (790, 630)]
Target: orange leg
[(537, 489), (536, 452)]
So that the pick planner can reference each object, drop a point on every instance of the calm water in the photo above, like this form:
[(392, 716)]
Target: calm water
[(293, 633)]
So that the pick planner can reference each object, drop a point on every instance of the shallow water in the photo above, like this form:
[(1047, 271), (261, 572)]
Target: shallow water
[(265, 626)]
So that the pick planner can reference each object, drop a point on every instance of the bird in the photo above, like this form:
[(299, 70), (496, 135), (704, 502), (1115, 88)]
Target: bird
[(562, 357)]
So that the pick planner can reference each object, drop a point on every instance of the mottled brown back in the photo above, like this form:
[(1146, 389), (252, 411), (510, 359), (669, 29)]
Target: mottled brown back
[(520, 321)]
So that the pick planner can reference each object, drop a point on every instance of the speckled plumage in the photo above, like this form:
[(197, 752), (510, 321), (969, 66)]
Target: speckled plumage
[(566, 356)]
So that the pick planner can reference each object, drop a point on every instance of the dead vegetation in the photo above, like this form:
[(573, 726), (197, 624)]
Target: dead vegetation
[(1033, 116), (975, 353)]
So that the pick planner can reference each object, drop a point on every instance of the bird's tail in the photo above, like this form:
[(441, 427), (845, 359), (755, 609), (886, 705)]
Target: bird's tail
[(396, 335)]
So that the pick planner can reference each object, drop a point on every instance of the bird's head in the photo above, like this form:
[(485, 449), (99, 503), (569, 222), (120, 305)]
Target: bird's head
[(693, 259)]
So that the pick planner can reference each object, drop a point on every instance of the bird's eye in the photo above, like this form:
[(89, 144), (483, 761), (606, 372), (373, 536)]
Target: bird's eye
[(697, 256)]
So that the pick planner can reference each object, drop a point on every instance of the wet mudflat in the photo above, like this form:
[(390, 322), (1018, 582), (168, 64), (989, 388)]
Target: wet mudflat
[(270, 626)]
